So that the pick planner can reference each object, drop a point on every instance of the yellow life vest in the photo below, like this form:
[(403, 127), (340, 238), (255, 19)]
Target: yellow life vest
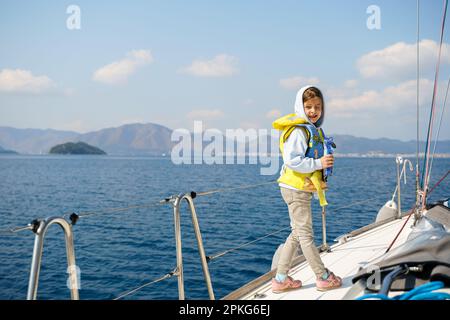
[(310, 182)]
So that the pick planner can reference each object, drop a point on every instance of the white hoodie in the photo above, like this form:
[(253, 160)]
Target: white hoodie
[(296, 145)]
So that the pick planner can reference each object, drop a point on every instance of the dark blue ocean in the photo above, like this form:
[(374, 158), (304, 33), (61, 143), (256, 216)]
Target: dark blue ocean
[(119, 251)]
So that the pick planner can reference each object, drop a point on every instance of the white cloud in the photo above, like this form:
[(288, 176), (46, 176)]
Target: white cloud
[(131, 121), (342, 91), (248, 102), (296, 82), (222, 65), (351, 84), (402, 96), (249, 125), (399, 60), (23, 81), (75, 125), (273, 114), (205, 114), (119, 71), (69, 92)]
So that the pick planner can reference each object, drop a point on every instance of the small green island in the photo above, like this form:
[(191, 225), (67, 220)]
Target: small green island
[(76, 148), (4, 151)]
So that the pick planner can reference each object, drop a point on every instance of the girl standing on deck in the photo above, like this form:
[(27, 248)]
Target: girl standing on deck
[(304, 158)]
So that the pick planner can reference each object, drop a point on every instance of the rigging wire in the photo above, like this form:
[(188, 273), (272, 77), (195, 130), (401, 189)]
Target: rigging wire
[(439, 129), (85, 214), (433, 107), (411, 211), (418, 83), (442, 179), (234, 188), (115, 210), (418, 103)]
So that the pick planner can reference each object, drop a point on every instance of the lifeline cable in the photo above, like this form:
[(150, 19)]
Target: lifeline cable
[(129, 292), (220, 254)]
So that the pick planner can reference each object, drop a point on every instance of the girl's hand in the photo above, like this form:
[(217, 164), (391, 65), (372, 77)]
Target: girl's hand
[(327, 161)]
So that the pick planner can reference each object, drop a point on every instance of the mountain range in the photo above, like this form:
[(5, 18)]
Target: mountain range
[(154, 139), (130, 139)]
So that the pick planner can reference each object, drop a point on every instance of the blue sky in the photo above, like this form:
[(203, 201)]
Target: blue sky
[(232, 64)]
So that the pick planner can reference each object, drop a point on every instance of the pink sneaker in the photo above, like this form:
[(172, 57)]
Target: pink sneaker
[(332, 282), (287, 285)]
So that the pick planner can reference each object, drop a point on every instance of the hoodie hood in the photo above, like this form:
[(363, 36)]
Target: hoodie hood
[(300, 110)]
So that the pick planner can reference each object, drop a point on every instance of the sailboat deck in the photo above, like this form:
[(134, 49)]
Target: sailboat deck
[(345, 259)]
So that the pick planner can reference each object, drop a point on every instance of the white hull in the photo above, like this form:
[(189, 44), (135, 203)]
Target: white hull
[(363, 248)]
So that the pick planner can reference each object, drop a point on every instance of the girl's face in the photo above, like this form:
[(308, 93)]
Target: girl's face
[(313, 109)]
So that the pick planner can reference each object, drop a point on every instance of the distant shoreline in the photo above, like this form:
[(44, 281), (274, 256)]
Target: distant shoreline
[(337, 155)]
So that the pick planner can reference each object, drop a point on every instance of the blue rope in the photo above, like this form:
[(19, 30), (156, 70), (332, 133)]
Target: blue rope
[(423, 292), (425, 288)]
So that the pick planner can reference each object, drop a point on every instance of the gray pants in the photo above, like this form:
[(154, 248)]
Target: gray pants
[(299, 205)]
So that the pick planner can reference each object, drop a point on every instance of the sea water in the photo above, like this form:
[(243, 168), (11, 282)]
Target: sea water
[(117, 251)]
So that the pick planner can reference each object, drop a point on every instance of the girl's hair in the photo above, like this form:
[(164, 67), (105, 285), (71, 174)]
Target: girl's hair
[(311, 93)]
